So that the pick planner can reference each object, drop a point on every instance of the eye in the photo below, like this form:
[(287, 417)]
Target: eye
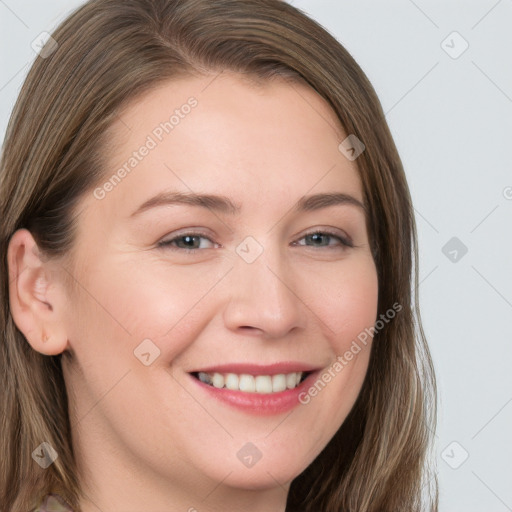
[(188, 242), (191, 242), (325, 239)]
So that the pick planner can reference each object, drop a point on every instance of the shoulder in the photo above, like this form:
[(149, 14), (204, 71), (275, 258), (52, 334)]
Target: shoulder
[(53, 503)]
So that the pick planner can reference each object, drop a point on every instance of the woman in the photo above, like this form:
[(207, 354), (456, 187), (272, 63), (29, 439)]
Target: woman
[(207, 252)]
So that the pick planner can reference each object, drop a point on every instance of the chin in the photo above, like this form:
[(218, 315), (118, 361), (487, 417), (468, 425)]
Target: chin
[(260, 480), (278, 470)]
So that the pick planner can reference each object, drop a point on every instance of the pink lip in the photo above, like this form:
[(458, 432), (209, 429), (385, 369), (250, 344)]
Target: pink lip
[(258, 369), (258, 404)]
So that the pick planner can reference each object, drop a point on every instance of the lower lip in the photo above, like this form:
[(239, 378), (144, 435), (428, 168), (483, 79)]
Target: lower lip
[(262, 404)]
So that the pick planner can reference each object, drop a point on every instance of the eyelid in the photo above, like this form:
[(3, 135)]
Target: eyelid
[(345, 239), (166, 241)]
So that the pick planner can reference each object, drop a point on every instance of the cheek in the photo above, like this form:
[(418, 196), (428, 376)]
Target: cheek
[(129, 301), (345, 299), (346, 304)]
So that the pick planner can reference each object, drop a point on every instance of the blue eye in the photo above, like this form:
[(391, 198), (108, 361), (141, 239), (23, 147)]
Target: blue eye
[(324, 239), (187, 242), (191, 242)]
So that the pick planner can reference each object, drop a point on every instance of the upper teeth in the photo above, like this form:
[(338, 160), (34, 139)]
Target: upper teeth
[(251, 383)]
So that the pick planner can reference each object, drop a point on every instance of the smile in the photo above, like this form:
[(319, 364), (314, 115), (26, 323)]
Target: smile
[(263, 384)]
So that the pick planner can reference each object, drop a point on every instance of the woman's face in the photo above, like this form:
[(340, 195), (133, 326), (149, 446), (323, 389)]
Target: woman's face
[(258, 299)]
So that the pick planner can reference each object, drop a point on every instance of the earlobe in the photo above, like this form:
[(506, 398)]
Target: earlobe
[(35, 300)]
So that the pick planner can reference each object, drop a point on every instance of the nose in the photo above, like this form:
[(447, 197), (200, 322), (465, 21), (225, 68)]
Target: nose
[(263, 300)]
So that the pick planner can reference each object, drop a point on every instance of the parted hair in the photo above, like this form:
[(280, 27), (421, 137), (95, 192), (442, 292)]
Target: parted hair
[(110, 52)]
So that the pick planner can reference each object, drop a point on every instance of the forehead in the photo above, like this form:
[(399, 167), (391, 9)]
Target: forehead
[(224, 132)]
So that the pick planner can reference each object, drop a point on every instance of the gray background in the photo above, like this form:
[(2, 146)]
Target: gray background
[(450, 114)]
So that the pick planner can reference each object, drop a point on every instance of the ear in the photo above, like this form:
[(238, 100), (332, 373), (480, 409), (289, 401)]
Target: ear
[(36, 298)]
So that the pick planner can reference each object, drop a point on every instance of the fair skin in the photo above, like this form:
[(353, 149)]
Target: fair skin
[(150, 437)]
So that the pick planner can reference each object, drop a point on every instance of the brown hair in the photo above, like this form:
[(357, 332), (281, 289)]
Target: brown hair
[(110, 52)]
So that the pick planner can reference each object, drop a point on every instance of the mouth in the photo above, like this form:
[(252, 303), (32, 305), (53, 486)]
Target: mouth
[(256, 389), (249, 383)]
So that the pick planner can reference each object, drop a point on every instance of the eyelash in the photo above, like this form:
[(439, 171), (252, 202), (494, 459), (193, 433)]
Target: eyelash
[(166, 244)]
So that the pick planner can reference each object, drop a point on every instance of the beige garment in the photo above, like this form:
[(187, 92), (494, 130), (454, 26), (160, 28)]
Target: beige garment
[(53, 503)]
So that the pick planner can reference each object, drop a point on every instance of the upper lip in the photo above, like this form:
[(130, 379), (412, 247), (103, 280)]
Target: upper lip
[(259, 369)]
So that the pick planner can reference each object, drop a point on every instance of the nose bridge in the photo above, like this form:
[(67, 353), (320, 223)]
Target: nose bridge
[(262, 295)]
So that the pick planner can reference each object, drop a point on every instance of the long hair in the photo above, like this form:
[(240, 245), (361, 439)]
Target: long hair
[(108, 53)]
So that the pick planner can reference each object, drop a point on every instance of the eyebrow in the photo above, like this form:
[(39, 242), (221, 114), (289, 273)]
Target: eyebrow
[(223, 204)]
